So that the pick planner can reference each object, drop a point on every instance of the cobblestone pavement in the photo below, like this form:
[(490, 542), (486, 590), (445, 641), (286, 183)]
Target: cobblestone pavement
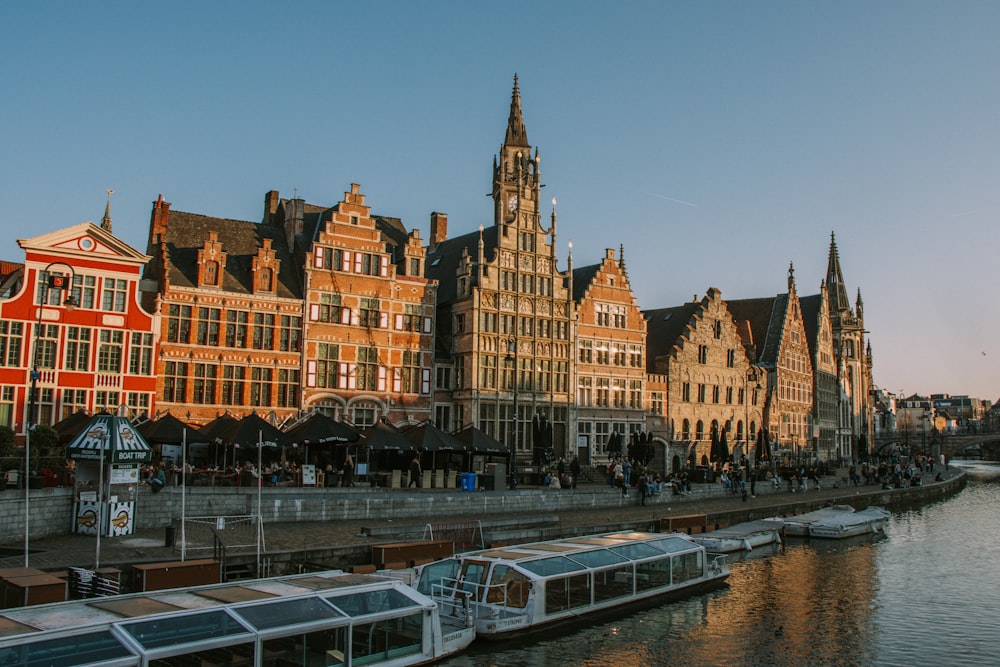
[(148, 545)]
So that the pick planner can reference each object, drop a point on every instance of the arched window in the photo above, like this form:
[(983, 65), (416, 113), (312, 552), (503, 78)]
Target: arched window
[(699, 430), (686, 430)]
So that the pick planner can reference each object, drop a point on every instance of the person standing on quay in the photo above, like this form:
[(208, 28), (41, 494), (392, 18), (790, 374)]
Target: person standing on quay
[(415, 472), (348, 472), (574, 470)]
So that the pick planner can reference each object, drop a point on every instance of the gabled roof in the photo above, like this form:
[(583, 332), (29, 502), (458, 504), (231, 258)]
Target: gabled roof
[(664, 327), (87, 241), (186, 234), (755, 315), (583, 277), (443, 260), (811, 306)]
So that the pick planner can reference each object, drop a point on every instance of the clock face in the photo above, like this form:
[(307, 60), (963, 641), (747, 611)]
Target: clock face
[(512, 203)]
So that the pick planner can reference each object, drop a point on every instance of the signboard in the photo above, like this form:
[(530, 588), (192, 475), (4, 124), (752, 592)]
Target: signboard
[(308, 475), (124, 474)]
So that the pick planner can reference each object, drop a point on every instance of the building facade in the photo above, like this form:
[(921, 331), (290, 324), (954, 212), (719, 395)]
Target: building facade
[(72, 310)]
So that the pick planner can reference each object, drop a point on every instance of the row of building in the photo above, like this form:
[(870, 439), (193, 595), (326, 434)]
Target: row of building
[(335, 309)]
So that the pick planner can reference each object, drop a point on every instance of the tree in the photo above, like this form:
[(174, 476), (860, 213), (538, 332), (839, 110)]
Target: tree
[(8, 449)]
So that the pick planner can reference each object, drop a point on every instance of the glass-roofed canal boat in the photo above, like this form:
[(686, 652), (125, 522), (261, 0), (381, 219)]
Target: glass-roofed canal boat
[(327, 618), (511, 590)]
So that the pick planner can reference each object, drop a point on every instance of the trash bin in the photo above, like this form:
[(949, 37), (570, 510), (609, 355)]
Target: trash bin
[(468, 481), (169, 536)]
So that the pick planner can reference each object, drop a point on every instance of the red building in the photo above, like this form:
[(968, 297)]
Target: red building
[(72, 310)]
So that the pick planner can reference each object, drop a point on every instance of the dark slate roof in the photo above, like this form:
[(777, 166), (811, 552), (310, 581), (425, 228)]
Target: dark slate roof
[(759, 313), (582, 279), (187, 232), (664, 327), (810, 318), (443, 259)]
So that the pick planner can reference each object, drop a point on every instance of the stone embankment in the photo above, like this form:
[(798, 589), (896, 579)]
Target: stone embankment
[(335, 528)]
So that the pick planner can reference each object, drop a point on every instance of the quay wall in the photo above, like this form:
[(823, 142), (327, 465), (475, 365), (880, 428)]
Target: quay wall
[(51, 508)]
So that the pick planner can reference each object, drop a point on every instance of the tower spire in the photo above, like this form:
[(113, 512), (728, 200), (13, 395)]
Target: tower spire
[(839, 302), (106, 220), (516, 134)]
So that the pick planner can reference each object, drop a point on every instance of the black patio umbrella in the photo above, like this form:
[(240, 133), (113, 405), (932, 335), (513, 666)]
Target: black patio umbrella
[(723, 447), (382, 437), (429, 438), (318, 429), (253, 431), (713, 452), (542, 440), (70, 426), (614, 445), (863, 447), (478, 442), (166, 430), (210, 433)]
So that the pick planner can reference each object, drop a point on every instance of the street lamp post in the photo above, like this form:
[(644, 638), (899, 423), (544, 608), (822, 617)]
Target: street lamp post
[(57, 282), (751, 372), (511, 358)]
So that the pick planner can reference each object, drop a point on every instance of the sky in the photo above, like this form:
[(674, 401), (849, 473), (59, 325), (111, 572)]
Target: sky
[(716, 142)]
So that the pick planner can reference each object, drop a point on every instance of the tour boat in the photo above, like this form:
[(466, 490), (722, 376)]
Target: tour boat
[(798, 526), (741, 537), (327, 618), (871, 520), (510, 590)]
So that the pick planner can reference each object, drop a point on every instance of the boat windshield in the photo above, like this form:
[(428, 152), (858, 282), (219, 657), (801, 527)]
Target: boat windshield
[(434, 573), (545, 567)]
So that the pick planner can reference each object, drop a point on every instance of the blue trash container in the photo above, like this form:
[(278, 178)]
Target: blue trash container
[(468, 481)]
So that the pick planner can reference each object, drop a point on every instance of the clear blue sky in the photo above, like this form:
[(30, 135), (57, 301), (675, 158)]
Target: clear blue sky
[(717, 141)]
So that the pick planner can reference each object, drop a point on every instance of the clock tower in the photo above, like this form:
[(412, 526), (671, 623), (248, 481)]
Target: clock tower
[(516, 176)]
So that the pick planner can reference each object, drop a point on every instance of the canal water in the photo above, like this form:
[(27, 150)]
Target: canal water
[(927, 594)]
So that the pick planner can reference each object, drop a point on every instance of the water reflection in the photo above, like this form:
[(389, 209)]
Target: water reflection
[(926, 595)]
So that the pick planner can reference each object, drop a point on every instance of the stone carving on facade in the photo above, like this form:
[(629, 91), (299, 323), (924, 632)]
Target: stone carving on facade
[(506, 259), (543, 265)]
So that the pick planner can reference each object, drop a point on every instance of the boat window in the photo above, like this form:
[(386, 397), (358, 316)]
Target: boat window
[(544, 567), (636, 551), (598, 558), (433, 573), (613, 583), (86, 649), (287, 612), (176, 630), (325, 647), (651, 574), (688, 566), (371, 602), (508, 587), (385, 640), (672, 544), (567, 593), (472, 577)]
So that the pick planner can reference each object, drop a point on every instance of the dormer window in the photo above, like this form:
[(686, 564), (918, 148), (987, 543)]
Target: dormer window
[(211, 273), (264, 280), (265, 269), (211, 262)]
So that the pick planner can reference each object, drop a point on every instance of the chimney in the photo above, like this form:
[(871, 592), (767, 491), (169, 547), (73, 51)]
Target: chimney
[(439, 228), (271, 201), (159, 219)]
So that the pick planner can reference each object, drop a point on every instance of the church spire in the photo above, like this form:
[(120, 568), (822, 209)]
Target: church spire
[(839, 302), (106, 220), (516, 134)]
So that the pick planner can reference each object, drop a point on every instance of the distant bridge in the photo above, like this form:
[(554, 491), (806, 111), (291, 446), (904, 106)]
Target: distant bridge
[(954, 445)]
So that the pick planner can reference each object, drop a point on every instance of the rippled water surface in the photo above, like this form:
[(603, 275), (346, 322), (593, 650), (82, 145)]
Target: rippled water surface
[(928, 594)]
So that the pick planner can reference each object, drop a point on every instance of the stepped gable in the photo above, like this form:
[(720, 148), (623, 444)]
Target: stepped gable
[(664, 327), (583, 277)]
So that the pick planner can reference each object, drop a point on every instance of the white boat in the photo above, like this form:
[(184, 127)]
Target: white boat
[(798, 526), (871, 520), (327, 618), (741, 537), (510, 590)]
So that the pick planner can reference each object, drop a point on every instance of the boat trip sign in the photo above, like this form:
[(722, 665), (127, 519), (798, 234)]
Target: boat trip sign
[(112, 438)]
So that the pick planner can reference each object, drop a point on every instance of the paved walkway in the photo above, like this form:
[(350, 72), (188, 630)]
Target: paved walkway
[(148, 545)]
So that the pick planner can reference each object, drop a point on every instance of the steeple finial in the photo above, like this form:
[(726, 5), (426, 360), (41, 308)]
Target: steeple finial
[(106, 220), (621, 257), (516, 134), (791, 276)]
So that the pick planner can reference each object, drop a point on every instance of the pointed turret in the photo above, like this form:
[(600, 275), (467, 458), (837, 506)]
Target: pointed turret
[(835, 280), (106, 220), (516, 134)]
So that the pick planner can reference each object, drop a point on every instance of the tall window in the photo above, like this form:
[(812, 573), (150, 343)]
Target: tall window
[(174, 381), (290, 333), (327, 355), (560, 377), (585, 391), (137, 402), (686, 391), (211, 272), (264, 279), (208, 326), (703, 354), (603, 392), (288, 387), (701, 393), (77, 349), (656, 402), (618, 393), (635, 394), (364, 415), (140, 360), (544, 382), (84, 290), (73, 400), (109, 351), (603, 315), (619, 317), (411, 319), (203, 389), (11, 335), (233, 379), (369, 312), (114, 291), (329, 307), (410, 372), (178, 323), (45, 346), (263, 331), (367, 369), (236, 328), (260, 386), (487, 371)]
